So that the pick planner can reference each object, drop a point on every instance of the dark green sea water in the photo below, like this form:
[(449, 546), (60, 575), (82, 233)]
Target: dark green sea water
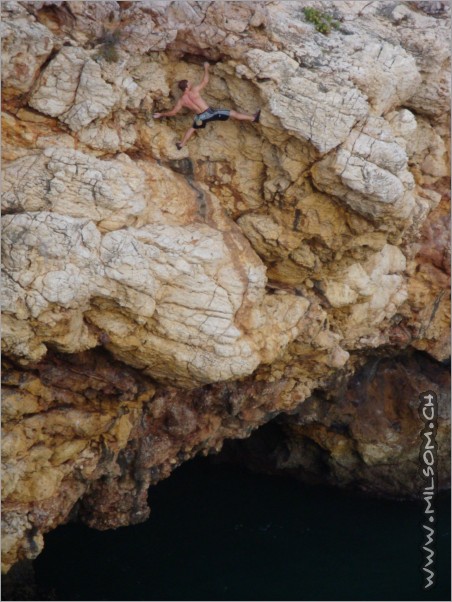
[(218, 532)]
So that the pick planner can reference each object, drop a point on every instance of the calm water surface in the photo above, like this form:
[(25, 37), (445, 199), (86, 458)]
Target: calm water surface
[(218, 532)]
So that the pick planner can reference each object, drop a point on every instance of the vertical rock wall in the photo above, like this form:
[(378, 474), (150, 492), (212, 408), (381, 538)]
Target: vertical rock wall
[(156, 301)]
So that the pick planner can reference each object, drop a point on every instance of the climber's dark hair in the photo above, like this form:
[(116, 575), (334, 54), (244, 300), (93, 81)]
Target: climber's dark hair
[(183, 84)]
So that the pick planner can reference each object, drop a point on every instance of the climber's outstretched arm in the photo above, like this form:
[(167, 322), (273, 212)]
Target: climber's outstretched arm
[(177, 107), (205, 79)]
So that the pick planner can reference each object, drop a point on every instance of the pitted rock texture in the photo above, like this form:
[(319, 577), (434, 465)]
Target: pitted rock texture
[(86, 408), (229, 280)]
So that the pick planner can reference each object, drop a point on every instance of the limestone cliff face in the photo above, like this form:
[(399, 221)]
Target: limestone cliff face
[(157, 301)]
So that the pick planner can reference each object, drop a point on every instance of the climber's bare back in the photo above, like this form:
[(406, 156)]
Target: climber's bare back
[(192, 100)]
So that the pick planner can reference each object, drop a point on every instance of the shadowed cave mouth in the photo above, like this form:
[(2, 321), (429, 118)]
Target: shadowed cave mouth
[(221, 531), (358, 435)]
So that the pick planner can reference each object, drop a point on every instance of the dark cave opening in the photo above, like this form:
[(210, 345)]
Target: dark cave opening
[(221, 532)]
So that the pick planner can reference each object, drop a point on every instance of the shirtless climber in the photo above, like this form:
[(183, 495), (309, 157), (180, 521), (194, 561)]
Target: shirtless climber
[(191, 99)]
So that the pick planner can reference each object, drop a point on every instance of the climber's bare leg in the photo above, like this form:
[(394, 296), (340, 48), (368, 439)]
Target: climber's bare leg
[(243, 117), (186, 138)]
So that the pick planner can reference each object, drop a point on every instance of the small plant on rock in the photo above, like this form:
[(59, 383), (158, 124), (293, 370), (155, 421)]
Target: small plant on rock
[(322, 21), (108, 50)]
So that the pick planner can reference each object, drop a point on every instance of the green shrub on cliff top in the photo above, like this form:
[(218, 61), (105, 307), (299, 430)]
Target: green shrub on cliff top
[(322, 21)]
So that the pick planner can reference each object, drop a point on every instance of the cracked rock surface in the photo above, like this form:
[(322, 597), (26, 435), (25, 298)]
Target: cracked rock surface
[(157, 302)]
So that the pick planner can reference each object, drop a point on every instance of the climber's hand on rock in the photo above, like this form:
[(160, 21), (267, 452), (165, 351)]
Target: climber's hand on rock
[(206, 65), (157, 115)]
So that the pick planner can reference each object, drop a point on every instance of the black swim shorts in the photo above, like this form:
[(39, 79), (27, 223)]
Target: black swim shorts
[(210, 115)]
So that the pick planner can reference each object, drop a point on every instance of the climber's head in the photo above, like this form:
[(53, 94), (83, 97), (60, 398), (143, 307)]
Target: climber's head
[(184, 85)]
